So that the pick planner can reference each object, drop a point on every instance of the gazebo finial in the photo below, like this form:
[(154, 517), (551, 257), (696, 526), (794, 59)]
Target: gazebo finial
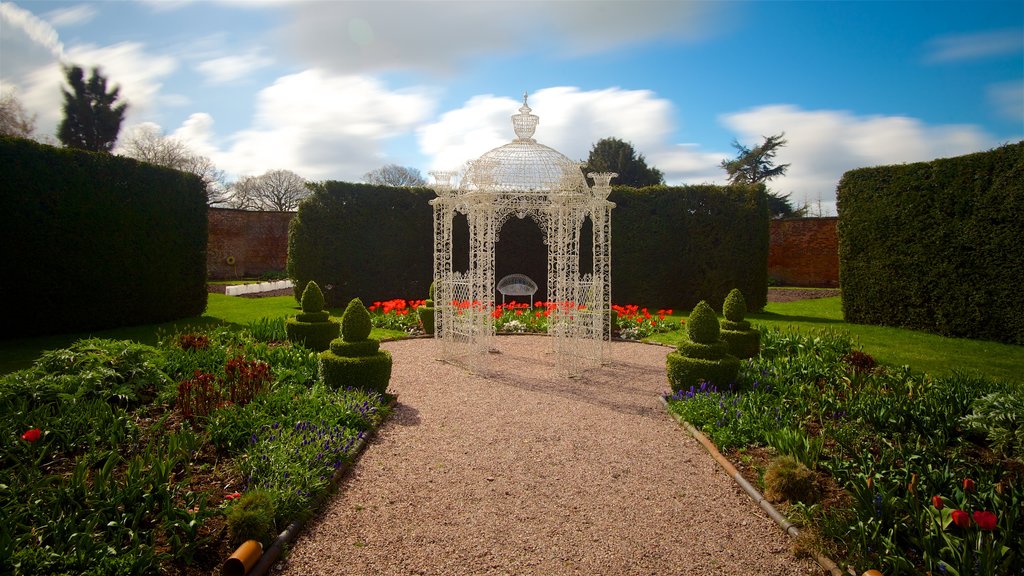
[(524, 123)]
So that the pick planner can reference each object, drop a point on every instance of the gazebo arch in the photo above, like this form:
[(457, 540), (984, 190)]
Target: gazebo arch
[(524, 178)]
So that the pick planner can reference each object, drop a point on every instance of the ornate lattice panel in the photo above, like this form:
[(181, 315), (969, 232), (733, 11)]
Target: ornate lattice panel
[(518, 179)]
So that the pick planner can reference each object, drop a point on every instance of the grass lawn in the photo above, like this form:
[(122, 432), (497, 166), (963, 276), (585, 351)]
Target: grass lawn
[(921, 351), (894, 346), (220, 309)]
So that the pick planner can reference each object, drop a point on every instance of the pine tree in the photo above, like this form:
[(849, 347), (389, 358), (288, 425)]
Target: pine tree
[(92, 120)]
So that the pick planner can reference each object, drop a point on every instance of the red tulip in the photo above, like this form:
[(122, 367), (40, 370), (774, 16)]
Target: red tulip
[(968, 485), (961, 519), (232, 496), (985, 520), (32, 435), (938, 503)]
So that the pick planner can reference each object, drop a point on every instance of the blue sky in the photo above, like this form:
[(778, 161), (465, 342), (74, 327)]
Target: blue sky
[(333, 89)]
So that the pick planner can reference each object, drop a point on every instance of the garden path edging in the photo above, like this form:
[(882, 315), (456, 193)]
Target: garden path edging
[(752, 492), (273, 552)]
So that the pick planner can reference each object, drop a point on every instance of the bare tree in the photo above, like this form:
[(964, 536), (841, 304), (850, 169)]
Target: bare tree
[(395, 175), (14, 119), (280, 190), (147, 143)]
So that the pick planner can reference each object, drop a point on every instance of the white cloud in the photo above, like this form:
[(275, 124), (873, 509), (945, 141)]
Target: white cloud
[(1008, 99), (25, 23), (363, 36), (233, 67), (961, 47), (71, 16), (127, 65), (824, 144), (317, 125), (571, 121)]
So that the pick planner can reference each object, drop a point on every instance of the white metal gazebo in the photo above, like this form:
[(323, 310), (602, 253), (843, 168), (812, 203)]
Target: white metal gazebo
[(524, 179)]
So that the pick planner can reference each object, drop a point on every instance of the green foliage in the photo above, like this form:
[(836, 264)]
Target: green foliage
[(322, 316), (426, 315), (313, 335), (355, 322), (742, 343), (675, 246), (392, 228), (251, 517), (714, 351), (366, 347), (999, 416), (757, 164), (312, 298), (787, 480), (702, 325), (106, 241), (91, 120), (672, 246), (614, 155), (735, 306), (364, 372), (794, 443), (268, 329), (936, 246), (904, 431), (430, 294), (684, 371)]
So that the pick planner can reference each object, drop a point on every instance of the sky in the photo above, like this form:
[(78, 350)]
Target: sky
[(332, 89)]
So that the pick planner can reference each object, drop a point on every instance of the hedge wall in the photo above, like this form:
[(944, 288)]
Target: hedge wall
[(676, 246), (358, 240), (92, 241), (671, 247), (936, 246)]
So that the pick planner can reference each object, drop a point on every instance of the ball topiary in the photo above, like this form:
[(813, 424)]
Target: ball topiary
[(735, 306), (312, 298), (355, 322), (702, 325)]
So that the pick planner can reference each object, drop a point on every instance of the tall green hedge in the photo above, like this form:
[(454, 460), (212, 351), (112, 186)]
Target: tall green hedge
[(676, 246), (92, 241), (363, 241), (671, 246), (936, 246)]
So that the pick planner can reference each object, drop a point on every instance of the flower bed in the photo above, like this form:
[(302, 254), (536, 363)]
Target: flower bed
[(634, 322), (129, 459), (913, 473)]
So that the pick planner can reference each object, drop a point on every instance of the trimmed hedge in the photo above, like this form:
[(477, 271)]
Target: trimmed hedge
[(92, 241), (684, 371), (313, 335), (671, 246), (365, 372), (936, 246)]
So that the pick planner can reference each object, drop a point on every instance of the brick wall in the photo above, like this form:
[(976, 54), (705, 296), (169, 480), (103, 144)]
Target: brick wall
[(258, 242), (804, 252)]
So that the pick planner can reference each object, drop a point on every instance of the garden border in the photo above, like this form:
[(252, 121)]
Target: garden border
[(273, 552), (824, 561)]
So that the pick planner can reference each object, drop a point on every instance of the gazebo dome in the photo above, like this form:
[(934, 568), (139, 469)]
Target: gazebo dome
[(524, 165)]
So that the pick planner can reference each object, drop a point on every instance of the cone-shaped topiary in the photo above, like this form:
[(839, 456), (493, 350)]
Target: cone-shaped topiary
[(355, 360), (743, 341), (313, 328), (426, 312), (704, 356), (735, 306), (702, 325), (355, 322), (312, 298)]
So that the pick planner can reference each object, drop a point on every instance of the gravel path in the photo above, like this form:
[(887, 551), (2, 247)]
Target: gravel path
[(526, 472)]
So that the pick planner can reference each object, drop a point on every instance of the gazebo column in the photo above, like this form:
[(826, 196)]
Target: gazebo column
[(601, 214)]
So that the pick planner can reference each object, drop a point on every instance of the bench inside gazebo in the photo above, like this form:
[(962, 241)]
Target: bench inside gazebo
[(517, 285)]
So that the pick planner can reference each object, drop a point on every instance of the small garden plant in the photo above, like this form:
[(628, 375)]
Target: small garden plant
[(313, 328), (356, 360), (703, 356), (426, 312), (743, 341)]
